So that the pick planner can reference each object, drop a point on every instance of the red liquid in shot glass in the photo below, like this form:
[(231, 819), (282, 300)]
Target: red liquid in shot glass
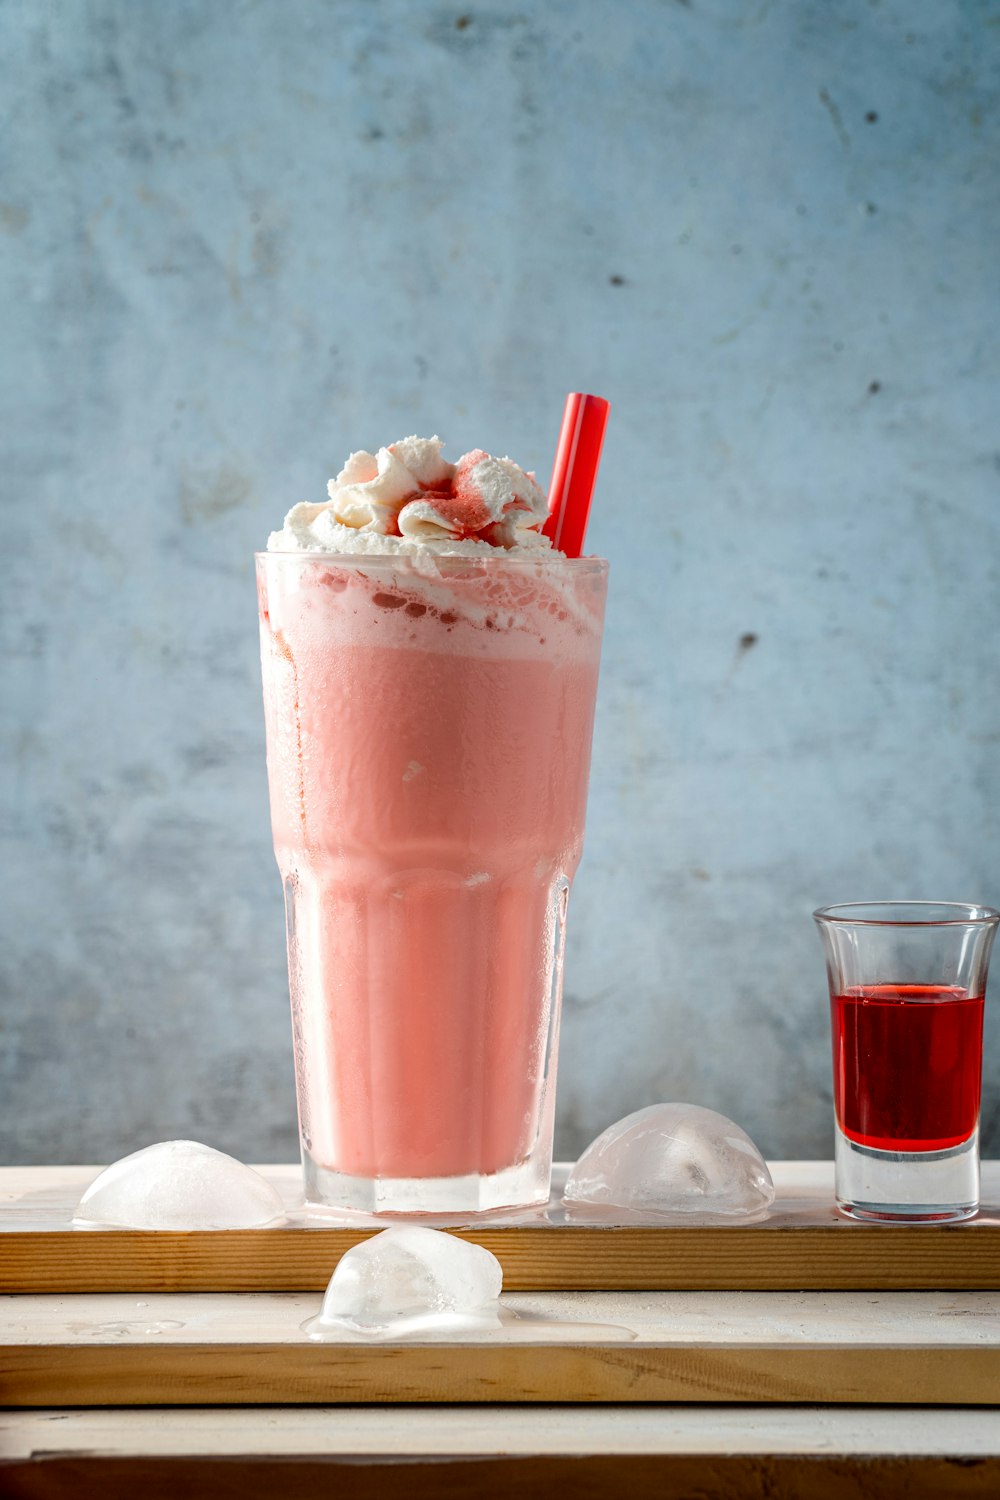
[(907, 1065)]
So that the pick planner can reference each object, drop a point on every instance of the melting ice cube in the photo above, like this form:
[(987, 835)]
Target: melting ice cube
[(673, 1161), (409, 1278), (179, 1185)]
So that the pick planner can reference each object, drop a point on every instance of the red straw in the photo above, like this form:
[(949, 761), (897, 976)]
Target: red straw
[(577, 458)]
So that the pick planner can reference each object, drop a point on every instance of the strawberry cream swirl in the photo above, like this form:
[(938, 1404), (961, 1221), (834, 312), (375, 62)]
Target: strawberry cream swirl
[(406, 499)]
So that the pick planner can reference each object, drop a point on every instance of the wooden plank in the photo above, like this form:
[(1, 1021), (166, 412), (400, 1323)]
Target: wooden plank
[(462, 1432), (650, 1453), (196, 1374), (802, 1244), (595, 1477), (588, 1347)]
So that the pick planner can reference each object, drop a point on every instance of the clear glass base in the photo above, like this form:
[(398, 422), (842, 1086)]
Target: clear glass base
[(912, 1187), (515, 1187)]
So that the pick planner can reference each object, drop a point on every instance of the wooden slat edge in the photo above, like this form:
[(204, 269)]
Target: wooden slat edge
[(62, 1375), (646, 1476), (816, 1258)]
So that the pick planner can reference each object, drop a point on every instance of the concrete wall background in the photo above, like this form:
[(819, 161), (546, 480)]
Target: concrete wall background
[(239, 239)]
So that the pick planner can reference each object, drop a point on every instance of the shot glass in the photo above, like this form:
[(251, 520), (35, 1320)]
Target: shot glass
[(907, 985)]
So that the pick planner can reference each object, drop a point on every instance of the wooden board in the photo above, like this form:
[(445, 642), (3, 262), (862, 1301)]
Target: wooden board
[(650, 1453), (803, 1244), (184, 1349)]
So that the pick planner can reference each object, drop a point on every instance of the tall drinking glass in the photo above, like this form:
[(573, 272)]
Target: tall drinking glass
[(907, 985), (428, 744)]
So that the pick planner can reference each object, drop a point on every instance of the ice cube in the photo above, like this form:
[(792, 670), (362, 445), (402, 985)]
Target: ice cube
[(409, 1277), (673, 1161), (179, 1185)]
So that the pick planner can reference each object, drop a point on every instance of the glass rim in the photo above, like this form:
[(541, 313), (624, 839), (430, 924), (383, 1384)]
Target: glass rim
[(497, 556), (864, 914)]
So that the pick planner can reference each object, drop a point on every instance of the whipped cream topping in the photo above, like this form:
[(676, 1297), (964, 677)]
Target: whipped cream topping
[(407, 499)]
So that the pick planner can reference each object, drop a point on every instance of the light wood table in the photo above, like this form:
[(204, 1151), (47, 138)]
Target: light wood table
[(803, 1243), (249, 1348), (366, 1453), (169, 1387)]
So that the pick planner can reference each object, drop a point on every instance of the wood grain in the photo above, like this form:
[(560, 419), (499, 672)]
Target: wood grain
[(226, 1349), (568, 1259), (594, 1477), (803, 1244), (358, 1432), (252, 1374), (364, 1453)]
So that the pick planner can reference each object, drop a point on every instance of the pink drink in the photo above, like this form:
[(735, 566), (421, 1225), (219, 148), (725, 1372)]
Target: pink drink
[(428, 729)]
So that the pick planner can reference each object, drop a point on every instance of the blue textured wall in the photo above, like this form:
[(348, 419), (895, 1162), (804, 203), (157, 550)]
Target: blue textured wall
[(239, 239)]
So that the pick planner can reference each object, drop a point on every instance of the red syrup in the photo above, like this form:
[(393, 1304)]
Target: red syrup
[(907, 1065)]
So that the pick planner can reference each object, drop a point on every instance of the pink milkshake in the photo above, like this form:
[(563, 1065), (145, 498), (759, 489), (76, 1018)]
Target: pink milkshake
[(430, 666)]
